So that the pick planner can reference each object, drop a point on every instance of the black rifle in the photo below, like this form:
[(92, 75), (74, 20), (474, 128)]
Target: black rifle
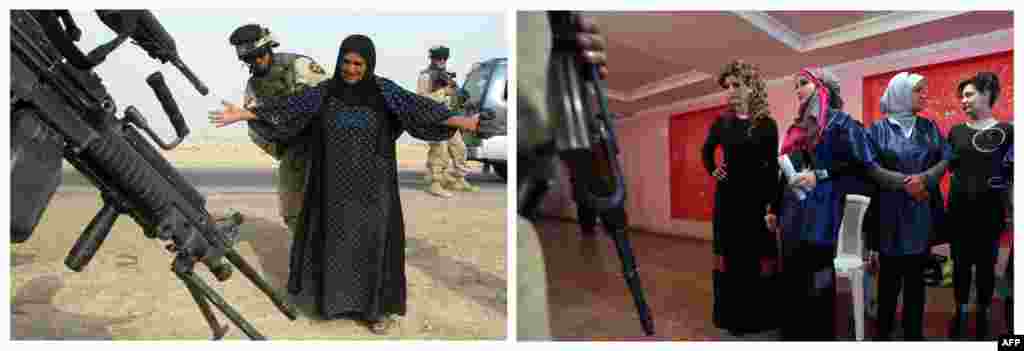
[(582, 136), (60, 108)]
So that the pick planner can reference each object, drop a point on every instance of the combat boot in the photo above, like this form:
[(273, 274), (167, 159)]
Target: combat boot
[(447, 180), (436, 186), (460, 184), (437, 190)]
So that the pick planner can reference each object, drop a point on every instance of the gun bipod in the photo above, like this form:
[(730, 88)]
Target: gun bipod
[(203, 294)]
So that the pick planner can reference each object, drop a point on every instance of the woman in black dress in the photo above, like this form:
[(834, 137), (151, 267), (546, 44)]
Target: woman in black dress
[(745, 253), (977, 198), (349, 252)]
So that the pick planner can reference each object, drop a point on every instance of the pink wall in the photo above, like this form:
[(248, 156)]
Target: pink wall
[(643, 136)]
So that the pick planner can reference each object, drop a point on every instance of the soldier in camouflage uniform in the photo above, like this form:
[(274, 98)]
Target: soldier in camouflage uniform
[(276, 74), (436, 83)]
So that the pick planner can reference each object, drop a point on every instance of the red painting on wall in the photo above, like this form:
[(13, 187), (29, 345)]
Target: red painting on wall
[(943, 100), (693, 190)]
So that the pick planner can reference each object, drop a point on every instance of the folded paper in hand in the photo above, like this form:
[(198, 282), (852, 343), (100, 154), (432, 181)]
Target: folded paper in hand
[(790, 173)]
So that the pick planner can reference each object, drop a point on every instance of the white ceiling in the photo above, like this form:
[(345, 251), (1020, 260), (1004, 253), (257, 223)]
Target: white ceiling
[(657, 58)]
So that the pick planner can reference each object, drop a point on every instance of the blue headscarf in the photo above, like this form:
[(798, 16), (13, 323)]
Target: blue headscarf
[(898, 101)]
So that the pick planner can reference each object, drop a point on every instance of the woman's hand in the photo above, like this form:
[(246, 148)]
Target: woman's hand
[(772, 222), (719, 173), (805, 179), (915, 186), (231, 114)]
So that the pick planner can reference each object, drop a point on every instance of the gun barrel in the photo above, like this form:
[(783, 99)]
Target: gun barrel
[(162, 166), (192, 78), (567, 99)]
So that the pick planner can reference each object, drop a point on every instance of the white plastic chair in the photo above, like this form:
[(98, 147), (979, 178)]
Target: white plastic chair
[(849, 261)]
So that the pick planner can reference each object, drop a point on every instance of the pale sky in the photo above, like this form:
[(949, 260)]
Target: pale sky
[(401, 39)]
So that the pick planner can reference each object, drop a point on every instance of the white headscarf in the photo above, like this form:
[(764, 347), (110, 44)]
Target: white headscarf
[(898, 101)]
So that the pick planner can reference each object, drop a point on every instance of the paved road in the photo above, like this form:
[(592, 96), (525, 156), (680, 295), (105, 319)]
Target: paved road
[(259, 180)]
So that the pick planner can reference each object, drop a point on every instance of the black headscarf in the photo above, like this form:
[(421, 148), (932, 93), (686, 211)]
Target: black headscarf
[(365, 92)]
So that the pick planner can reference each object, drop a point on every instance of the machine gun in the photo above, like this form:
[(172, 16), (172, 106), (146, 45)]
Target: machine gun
[(583, 137), (445, 79), (61, 108)]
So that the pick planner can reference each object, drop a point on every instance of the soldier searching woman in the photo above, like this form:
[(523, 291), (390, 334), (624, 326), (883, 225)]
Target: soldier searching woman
[(349, 251), (278, 74)]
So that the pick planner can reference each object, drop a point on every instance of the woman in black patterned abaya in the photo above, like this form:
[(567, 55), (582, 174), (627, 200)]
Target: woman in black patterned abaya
[(349, 253)]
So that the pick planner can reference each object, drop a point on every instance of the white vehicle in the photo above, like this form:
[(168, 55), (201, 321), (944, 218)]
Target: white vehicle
[(487, 88)]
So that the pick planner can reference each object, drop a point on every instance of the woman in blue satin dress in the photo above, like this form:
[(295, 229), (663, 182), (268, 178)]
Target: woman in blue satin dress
[(830, 150), (911, 156)]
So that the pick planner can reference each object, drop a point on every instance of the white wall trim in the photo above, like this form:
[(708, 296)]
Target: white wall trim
[(884, 63), (672, 82), (768, 24), (660, 86), (844, 34), (704, 101), (615, 95), (896, 60), (781, 32), (873, 26)]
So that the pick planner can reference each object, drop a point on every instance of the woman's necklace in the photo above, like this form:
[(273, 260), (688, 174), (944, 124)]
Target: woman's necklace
[(987, 139), (982, 124)]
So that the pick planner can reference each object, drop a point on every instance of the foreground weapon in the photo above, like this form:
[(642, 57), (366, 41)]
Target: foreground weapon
[(582, 136), (60, 108)]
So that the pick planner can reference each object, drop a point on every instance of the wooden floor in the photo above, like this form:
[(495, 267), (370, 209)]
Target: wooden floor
[(589, 300)]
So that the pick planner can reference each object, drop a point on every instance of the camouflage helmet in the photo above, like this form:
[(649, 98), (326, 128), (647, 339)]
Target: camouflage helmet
[(439, 52), (252, 40)]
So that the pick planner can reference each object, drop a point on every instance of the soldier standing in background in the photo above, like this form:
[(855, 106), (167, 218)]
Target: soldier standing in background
[(277, 74), (442, 175)]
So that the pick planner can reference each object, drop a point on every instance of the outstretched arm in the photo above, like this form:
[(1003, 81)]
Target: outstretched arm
[(423, 117), (230, 114), (277, 119)]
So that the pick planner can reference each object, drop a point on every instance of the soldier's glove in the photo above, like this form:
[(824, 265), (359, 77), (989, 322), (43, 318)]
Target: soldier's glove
[(491, 124)]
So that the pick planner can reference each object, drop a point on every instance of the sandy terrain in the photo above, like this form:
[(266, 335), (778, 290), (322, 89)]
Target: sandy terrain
[(455, 256), (250, 156)]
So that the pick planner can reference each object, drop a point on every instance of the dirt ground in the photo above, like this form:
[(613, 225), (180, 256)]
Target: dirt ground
[(456, 269), (248, 155)]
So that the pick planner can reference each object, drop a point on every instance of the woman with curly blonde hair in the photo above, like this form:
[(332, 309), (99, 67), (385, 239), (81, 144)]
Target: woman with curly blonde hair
[(744, 249)]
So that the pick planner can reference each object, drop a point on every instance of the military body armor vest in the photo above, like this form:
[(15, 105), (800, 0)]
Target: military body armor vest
[(278, 82), (281, 78)]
